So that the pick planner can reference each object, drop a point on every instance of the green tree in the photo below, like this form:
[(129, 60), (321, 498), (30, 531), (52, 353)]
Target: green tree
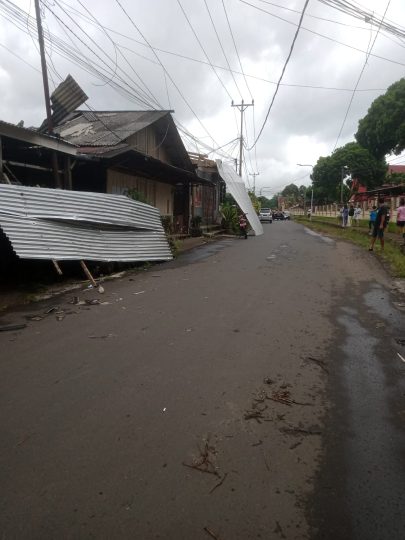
[(382, 130), (255, 201), (265, 202), (292, 194), (327, 173)]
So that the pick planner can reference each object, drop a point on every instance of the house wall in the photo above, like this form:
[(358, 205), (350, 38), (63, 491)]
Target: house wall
[(149, 142), (156, 193)]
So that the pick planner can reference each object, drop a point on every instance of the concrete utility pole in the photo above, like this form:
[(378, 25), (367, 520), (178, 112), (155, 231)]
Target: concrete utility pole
[(241, 107), (46, 90), (254, 181)]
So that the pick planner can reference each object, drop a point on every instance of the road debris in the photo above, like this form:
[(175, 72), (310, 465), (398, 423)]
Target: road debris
[(400, 341), (317, 361), (103, 336), (204, 462), (267, 380), (401, 357), (219, 483), (212, 534), (92, 302), (139, 292), (11, 327), (300, 431), (282, 396)]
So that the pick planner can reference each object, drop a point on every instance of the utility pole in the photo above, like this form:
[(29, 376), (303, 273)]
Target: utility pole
[(254, 181), (46, 90), (241, 107)]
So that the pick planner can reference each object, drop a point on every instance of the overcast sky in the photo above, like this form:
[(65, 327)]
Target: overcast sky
[(303, 124)]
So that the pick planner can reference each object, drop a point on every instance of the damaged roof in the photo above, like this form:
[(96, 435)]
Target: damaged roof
[(105, 128), (43, 223)]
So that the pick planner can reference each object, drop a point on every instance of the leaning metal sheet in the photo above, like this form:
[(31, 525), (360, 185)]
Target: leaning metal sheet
[(237, 189), (70, 225)]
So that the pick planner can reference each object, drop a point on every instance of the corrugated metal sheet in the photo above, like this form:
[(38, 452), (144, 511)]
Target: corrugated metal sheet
[(72, 225), (236, 187), (66, 98)]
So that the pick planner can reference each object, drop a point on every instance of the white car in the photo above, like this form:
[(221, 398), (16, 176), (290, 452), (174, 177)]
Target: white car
[(266, 215)]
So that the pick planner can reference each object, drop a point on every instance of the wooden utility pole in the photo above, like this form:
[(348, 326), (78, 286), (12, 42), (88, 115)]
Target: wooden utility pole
[(46, 91), (241, 107)]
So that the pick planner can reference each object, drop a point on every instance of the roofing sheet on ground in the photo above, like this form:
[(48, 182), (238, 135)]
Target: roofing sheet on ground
[(43, 223), (236, 187)]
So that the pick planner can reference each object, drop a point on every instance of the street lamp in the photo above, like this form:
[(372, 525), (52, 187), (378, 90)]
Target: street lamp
[(343, 169), (312, 188)]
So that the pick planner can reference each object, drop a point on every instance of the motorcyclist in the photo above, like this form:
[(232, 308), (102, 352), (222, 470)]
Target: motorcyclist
[(243, 225)]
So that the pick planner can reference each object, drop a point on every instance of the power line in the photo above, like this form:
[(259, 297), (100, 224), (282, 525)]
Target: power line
[(203, 50), (167, 73), (185, 57), (236, 49), (359, 78), (322, 35), (282, 72), (222, 48)]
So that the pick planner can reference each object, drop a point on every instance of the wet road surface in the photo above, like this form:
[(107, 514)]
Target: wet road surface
[(249, 389)]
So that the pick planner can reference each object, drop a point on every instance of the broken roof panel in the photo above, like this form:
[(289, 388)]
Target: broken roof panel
[(70, 225), (236, 187)]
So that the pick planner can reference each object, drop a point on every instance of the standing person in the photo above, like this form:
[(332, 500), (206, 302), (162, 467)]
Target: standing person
[(401, 217), (243, 225), (345, 215), (357, 215), (379, 225), (350, 217), (373, 216)]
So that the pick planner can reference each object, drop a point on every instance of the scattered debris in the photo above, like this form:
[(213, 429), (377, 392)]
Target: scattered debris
[(104, 336), (139, 292), (294, 445), (51, 310), (318, 362), (282, 396), (267, 380), (219, 483), (400, 341), (300, 431), (34, 318), (401, 357), (212, 534), (60, 315), (11, 327), (204, 463), (92, 302), (258, 443)]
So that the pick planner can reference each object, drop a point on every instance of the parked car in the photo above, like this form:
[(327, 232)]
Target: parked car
[(266, 215), (287, 215)]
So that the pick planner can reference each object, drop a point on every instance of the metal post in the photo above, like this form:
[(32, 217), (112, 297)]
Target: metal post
[(312, 203), (241, 107)]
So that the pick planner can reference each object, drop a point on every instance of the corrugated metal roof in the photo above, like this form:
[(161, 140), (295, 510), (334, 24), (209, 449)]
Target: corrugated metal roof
[(236, 187), (105, 128), (66, 98), (71, 225)]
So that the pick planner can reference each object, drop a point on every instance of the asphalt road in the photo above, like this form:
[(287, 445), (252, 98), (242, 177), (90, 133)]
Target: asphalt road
[(249, 389)]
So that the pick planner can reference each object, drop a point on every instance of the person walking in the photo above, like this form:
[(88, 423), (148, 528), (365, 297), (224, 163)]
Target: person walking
[(350, 217), (373, 216), (401, 217), (379, 225), (345, 216), (357, 215)]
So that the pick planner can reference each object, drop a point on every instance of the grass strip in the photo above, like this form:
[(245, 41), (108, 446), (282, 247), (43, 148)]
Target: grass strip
[(393, 255)]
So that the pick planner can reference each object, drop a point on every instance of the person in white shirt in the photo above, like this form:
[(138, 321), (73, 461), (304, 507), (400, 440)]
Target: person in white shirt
[(357, 215)]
